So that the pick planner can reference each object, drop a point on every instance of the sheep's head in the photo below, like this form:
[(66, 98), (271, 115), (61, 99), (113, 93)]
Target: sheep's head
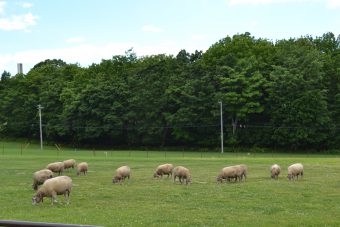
[(115, 180), (219, 178), (290, 176), (37, 198), (189, 180), (155, 175)]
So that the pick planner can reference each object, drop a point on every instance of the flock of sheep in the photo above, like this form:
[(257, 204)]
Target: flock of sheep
[(62, 185)]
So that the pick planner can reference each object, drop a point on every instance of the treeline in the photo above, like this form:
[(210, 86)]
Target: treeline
[(284, 95)]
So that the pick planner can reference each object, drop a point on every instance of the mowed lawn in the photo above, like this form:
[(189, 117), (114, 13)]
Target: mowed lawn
[(145, 201)]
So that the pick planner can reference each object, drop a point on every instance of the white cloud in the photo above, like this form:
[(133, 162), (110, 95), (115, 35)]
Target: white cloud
[(20, 22), (27, 5), (333, 4), (75, 40), (151, 28), (2, 6), (198, 37)]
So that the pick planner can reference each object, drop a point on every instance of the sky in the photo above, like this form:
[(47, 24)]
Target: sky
[(86, 31)]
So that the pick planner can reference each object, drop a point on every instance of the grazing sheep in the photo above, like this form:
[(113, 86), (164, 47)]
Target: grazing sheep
[(182, 173), (228, 173), (295, 170), (121, 173), (82, 168), (233, 172), (275, 171), (61, 185), (165, 169), (69, 163), (56, 167), (39, 177)]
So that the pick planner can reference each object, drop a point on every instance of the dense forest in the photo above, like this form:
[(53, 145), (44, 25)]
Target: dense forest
[(279, 95)]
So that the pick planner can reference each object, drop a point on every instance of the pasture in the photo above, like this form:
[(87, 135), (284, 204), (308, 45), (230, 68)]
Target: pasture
[(145, 201)]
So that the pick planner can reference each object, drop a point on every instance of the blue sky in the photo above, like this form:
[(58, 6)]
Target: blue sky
[(86, 31)]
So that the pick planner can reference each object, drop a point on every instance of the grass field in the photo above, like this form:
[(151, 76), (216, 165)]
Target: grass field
[(144, 201)]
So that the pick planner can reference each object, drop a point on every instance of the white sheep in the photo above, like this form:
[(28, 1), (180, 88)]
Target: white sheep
[(227, 173), (70, 163), (275, 171), (182, 173), (61, 185), (56, 167), (295, 170), (165, 169), (39, 177), (82, 168), (236, 172), (121, 173)]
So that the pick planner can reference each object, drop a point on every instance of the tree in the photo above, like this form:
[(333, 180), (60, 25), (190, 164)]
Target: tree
[(297, 97)]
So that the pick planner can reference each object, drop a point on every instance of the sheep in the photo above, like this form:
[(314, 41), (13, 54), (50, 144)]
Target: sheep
[(70, 163), (121, 173), (236, 172), (295, 170), (275, 171), (82, 168), (39, 177), (228, 173), (182, 173), (165, 169), (61, 185), (56, 167)]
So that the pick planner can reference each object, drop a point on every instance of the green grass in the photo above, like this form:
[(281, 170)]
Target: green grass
[(144, 201)]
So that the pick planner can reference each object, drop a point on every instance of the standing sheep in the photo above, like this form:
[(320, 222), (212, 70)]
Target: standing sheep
[(295, 170), (61, 185), (69, 163), (182, 173), (275, 171), (39, 177), (82, 168), (56, 167), (236, 172), (121, 173), (165, 169), (227, 173)]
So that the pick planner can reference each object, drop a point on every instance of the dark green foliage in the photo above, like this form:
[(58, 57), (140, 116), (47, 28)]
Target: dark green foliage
[(285, 94)]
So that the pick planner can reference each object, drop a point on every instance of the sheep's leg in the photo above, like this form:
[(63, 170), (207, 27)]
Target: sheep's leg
[(54, 197), (67, 196)]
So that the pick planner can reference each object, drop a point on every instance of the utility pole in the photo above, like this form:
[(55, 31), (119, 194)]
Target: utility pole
[(40, 125), (221, 126)]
